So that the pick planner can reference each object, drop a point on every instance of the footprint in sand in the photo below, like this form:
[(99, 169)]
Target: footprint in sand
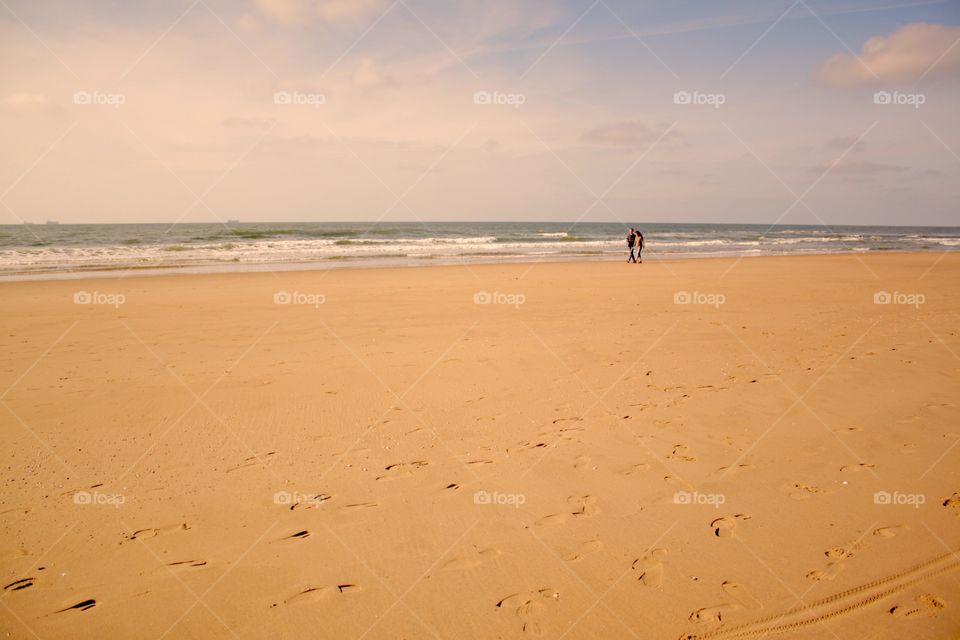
[(725, 526), (187, 564), (83, 605), (838, 553), (582, 463), (926, 605), (680, 453), (583, 505), (952, 502), (567, 433), (402, 470), (480, 461), (740, 595), (817, 575), (530, 607), (357, 506), (711, 615), (143, 534), (849, 430), (741, 600), (551, 520), (733, 469), (802, 491), (316, 594), (22, 583), (299, 535), (527, 445), (854, 468), (253, 461), (891, 531), (650, 568), (588, 548), (472, 559), (637, 468), (313, 502)]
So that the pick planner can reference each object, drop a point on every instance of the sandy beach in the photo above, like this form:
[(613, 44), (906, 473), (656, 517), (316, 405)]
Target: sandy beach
[(709, 448)]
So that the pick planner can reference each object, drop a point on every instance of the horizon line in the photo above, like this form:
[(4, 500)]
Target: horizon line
[(424, 223)]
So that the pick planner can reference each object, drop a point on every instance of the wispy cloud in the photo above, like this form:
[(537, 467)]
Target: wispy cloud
[(908, 55), (632, 133)]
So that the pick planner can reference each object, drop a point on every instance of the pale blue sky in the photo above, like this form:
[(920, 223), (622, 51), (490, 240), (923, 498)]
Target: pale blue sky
[(187, 127)]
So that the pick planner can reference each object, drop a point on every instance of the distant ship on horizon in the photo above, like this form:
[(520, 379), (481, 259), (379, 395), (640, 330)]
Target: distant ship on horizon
[(230, 221), (53, 222)]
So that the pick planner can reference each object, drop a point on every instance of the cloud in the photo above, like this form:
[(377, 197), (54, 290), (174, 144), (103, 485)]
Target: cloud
[(347, 9), (861, 168), (907, 55), (27, 103), (629, 133), (369, 76), (291, 12), (853, 143)]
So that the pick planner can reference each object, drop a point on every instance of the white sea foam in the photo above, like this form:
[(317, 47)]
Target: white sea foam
[(82, 247)]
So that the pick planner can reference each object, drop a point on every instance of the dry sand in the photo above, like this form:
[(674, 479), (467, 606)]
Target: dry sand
[(200, 462)]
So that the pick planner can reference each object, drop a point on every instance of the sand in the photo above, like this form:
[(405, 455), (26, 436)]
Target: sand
[(581, 457)]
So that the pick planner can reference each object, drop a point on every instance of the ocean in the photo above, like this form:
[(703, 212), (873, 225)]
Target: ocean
[(52, 249)]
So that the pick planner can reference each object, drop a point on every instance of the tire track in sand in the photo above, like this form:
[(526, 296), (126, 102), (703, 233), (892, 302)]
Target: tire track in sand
[(838, 604)]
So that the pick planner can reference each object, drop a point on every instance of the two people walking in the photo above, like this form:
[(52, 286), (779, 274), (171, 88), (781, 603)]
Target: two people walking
[(634, 245)]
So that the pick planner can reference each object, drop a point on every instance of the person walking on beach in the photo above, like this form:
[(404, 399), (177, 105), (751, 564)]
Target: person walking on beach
[(638, 244), (631, 240)]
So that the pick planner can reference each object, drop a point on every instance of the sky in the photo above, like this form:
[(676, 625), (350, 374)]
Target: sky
[(791, 112)]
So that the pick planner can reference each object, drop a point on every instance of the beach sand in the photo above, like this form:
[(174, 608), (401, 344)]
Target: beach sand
[(582, 457)]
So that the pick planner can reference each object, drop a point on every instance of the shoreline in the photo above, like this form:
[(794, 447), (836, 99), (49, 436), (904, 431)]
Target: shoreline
[(350, 264)]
